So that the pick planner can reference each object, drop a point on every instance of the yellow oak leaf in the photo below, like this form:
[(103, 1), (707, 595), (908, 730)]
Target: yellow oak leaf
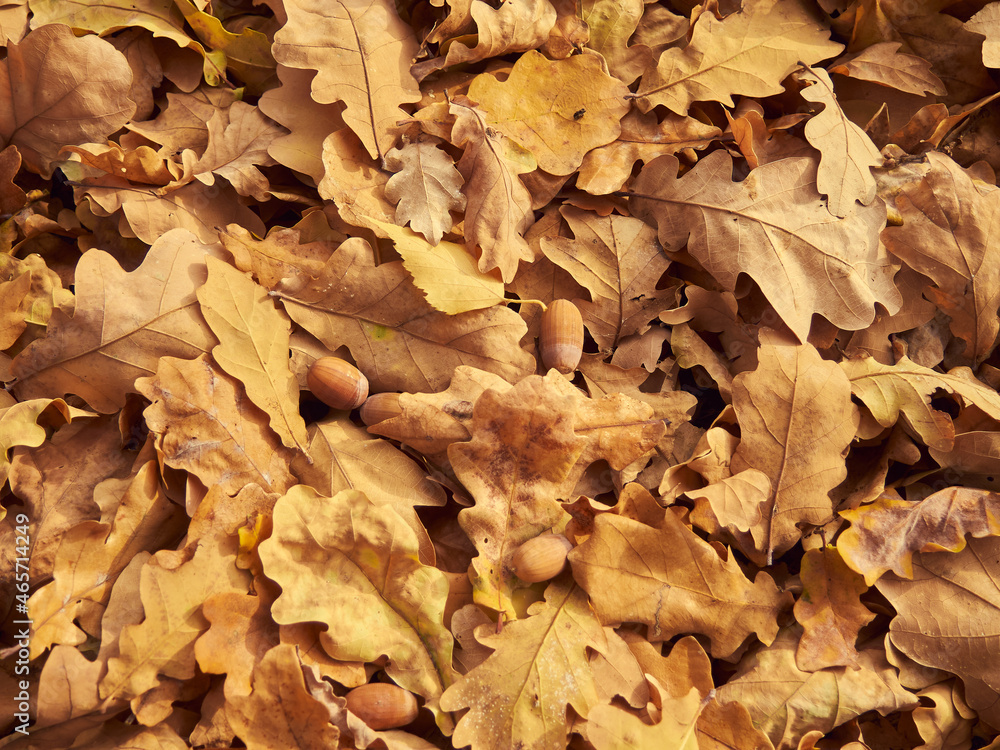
[(204, 424), (254, 338), (335, 563), (673, 581), (884, 64), (24, 422), (749, 52), (611, 23), (123, 324), (361, 52), (611, 728), (538, 668), (884, 535), (575, 108)]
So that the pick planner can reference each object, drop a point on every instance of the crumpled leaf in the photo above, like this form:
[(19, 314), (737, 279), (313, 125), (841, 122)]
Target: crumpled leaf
[(332, 555), (205, 424), (906, 389), (947, 231), (619, 261), (529, 447), (539, 667), (123, 324), (577, 108), (425, 188), (804, 259), (848, 154), (884, 535), (786, 703), (254, 338), (830, 611), (673, 581), (397, 339), (56, 90), (162, 18), (361, 51), (498, 206), (749, 52), (797, 421)]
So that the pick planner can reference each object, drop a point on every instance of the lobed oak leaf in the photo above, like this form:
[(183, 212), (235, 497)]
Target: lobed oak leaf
[(282, 710), (123, 324), (344, 457), (987, 22), (884, 64), (307, 121), (960, 638), (183, 123), (611, 23), (797, 422), (907, 389), (204, 423), (736, 505), (773, 227), (530, 446), (787, 703), (56, 483), (238, 139), (830, 611), (610, 728), (285, 257), (884, 535), (425, 188), (361, 51), (643, 138), (848, 154), (254, 338), (91, 556), (578, 108), (172, 596), (58, 90), (498, 209), (749, 52), (539, 667), (617, 259), (674, 582), (444, 272), (24, 423), (948, 222), (398, 340), (354, 566), (353, 181)]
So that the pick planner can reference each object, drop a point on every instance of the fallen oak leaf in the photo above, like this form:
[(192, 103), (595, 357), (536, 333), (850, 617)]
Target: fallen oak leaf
[(425, 188)]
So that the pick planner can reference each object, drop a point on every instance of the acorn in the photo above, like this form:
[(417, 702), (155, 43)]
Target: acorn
[(382, 706), (337, 383), (561, 337), (541, 558), (380, 407)]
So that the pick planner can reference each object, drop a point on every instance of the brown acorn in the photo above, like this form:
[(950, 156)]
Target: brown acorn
[(379, 407), (337, 383), (382, 706), (541, 558), (561, 338)]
